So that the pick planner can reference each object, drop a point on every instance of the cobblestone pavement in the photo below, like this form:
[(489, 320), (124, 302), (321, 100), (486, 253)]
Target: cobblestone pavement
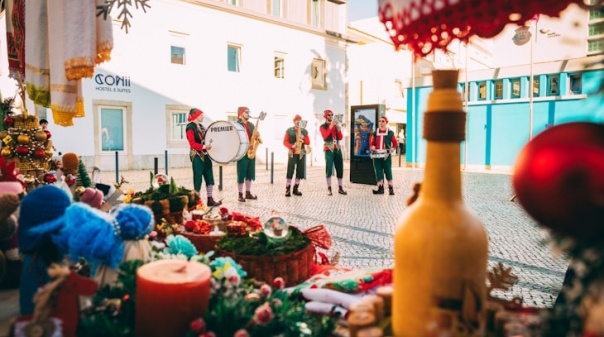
[(362, 224)]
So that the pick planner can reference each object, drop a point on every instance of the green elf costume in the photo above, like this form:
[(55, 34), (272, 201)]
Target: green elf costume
[(332, 135), (246, 166), (383, 139), (202, 165), (295, 140)]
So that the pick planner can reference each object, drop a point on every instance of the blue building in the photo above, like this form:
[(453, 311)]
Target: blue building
[(499, 113)]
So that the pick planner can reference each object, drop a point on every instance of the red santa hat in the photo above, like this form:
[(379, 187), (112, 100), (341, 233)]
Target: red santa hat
[(327, 112), (384, 118), (194, 113), (297, 118), (242, 110)]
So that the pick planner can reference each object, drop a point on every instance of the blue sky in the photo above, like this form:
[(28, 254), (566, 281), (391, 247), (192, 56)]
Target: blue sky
[(362, 9)]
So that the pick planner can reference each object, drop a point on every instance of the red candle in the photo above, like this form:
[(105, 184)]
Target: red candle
[(169, 295)]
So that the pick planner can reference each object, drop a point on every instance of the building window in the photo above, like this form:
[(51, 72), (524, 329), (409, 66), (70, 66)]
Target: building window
[(315, 13), (576, 84), (462, 90), (535, 86), (276, 8), (515, 88), (318, 74), (596, 28), (499, 89), (482, 91), (595, 46), (177, 55), (596, 14), (112, 128), (178, 125), (553, 87), (279, 66), (234, 58)]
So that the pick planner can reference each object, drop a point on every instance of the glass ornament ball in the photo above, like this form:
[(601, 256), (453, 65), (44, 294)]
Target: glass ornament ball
[(159, 180), (276, 228)]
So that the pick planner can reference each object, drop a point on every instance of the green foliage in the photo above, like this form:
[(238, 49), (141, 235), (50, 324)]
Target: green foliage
[(227, 314), (100, 321), (170, 191), (260, 245)]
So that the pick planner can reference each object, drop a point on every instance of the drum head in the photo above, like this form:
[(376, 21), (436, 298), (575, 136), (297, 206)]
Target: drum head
[(229, 141)]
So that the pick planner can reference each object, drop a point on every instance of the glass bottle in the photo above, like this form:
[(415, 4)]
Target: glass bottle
[(440, 246)]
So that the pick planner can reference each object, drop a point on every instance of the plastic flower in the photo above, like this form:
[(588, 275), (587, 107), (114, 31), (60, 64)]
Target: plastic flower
[(198, 325), (232, 276), (241, 333), (263, 314), (279, 283), (266, 290), (180, 245), (203, 258), (221, 264)]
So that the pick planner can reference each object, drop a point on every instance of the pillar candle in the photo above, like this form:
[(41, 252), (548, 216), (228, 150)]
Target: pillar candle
[(169, 295)]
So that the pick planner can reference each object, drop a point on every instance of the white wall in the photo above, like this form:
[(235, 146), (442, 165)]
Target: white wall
[(143, 55)]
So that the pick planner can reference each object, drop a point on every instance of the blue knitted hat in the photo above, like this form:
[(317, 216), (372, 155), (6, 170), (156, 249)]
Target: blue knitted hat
[(41, 205)]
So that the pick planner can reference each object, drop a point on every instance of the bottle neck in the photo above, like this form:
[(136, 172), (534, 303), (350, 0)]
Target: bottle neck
[(442, 176)]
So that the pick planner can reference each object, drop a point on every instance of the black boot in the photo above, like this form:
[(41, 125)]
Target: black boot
[(288, 193), (380, 190), (329, 191), (249, 195), (296, 192), (341, 190), (211, 202), (241, 198), (390, 190)]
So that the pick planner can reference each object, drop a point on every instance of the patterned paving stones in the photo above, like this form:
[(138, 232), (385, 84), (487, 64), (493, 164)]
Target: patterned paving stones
[(362, 224)]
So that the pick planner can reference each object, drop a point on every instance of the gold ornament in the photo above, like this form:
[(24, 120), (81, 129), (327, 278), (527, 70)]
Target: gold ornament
[(5, 152), (40, 135), (7, 140), (3, 134), (23, 139), (49, 153)]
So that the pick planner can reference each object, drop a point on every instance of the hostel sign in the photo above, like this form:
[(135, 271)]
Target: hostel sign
[(112, 83)]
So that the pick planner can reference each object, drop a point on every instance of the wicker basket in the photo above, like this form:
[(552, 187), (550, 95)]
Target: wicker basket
[(203, 242), (294, 267)]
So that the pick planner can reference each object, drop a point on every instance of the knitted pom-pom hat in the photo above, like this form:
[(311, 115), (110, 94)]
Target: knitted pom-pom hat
[(92, 197), (41, 205)]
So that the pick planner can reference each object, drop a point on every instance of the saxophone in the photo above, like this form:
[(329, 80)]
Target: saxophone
[(299, 147), (255, 140)]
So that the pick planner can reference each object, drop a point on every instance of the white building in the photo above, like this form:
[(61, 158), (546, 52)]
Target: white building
[(281, 57)]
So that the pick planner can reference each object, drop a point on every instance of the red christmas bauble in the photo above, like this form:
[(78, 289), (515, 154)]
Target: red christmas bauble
[(559, 179), (39, 153), (9, 122), (70, 179), (48, 134), (50, 178), (22, 150)]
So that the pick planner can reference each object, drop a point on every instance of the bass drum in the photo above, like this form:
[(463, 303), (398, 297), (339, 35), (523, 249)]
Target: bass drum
[(229, 142)]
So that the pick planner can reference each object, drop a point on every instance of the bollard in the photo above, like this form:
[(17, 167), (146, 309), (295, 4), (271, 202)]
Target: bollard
[(220, 177), (166, 161), (155, 165), (266, 161), (117, 168), (399, 158), (272, 166)]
